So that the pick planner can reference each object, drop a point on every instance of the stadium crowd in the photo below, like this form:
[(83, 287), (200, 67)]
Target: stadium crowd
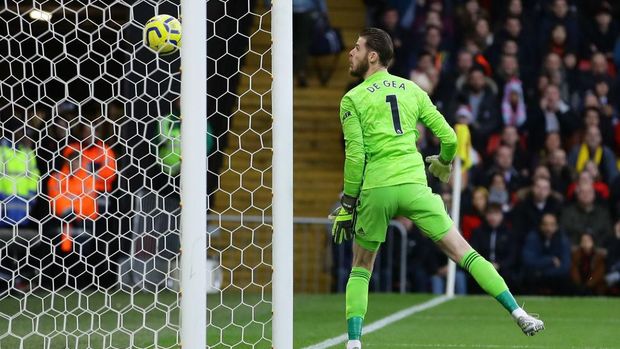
[(536, 83)]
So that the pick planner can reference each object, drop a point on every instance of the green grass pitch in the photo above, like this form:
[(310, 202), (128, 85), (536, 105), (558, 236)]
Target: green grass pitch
[(465, 322), (94, 320)]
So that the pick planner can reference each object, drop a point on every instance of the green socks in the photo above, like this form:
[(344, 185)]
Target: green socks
[(354, 328), (487, 277), (507, 301), (357, 301)]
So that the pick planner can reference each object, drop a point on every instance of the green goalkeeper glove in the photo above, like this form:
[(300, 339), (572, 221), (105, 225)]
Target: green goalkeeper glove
[(343, 227), (438, 168)]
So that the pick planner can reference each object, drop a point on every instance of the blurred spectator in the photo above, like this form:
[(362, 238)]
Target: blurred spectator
[(483, 34), (484, 109), (612, 243), (425, 75), (19, 175), (605, 97), (588, 267), (592, 149), (468, 14), (80, 193), (558, 42), (585, 215), (454, 79), (504, 166), (514, 8), (304, 12), (499, 193), (508, 47), (513, 39), (73, 197), (528, 213), (480, 60), (390, 23), (560, 14), (512, 29), (473, 211), (590, 100), (98, 158), (601, 32), (546, 258), (444, 12), (507, 74), (561, 174), (495, 242), (73, 190), (553, 142), (520, 10), (432, 43), (557, 74), (552, 115), (431, 13), (540, 171), (599, 69), (510, 138), (592, 117), (424, 18), (374, 10), (463, 115), (513, 103), (589, 176)]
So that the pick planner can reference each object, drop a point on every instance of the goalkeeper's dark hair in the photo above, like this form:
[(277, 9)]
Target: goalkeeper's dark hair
[(379, 41)]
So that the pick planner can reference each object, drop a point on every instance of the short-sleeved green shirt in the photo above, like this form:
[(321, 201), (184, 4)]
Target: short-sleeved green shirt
[(379, 119)]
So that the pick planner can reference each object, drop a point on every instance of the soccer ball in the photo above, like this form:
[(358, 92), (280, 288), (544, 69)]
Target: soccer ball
[(162, 34)]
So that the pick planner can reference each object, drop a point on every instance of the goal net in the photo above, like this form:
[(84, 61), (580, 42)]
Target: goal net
[(90, 169)]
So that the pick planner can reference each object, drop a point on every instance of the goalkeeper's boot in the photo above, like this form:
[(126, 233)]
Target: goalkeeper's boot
[(530, 325), (354, 344)]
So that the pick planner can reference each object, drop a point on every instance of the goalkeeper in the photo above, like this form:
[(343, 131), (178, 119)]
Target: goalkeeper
[(384, 177)]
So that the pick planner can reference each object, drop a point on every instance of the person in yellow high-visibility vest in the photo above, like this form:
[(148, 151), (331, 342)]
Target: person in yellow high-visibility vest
[(19, 180)]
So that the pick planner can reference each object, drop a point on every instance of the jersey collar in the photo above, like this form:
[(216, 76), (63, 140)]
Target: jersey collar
[(377, 75)]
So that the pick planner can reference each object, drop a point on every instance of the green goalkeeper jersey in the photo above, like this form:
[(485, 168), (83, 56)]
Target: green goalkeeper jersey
[(379, 119)]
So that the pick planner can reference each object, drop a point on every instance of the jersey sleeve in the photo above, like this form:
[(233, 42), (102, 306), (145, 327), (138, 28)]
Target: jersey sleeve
[(354, 148), (432, 118)]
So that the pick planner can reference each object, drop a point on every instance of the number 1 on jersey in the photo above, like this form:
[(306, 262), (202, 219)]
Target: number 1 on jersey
[(395, 114)]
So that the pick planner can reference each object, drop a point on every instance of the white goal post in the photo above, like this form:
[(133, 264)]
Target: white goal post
[(282, 102), (194, 187), (455, 214)]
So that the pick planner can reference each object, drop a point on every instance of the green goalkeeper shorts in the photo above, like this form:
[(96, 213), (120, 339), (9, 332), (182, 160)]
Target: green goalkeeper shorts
[(377, 206)]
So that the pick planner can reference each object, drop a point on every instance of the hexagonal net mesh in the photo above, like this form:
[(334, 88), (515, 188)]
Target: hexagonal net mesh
[(89, 176)]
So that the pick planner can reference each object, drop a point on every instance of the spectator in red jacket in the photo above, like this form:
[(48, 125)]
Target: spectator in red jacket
[(590, 176), (474, 212)]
